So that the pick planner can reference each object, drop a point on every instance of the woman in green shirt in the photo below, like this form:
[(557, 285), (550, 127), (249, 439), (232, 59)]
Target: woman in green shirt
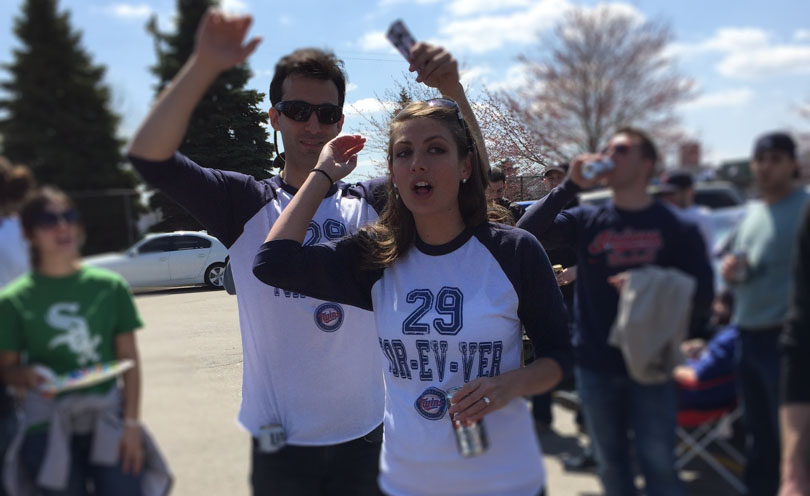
[(66, 316)]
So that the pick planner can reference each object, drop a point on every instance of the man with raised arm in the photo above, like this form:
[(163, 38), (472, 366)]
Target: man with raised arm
[(631, 231)]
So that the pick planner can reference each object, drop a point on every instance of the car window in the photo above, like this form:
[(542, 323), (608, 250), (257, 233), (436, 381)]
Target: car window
[(156, 245), (190, 243)]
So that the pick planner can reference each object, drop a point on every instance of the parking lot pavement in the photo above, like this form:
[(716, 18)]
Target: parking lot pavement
[(192, 367)]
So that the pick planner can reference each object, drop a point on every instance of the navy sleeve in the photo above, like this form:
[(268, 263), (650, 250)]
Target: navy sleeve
[(540, 305), (795, 387), (222, 201), (373, 191), (547, 221), (329, 271), (693, 260), (719, 359)]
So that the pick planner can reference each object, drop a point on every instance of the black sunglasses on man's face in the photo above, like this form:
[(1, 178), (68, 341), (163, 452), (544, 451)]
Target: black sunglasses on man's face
[(301, 111)]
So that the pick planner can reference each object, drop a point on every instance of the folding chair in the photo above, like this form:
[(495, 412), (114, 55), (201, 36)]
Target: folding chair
[(700, 429)]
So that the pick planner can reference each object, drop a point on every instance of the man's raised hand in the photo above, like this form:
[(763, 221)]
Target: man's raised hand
[(221, 42)]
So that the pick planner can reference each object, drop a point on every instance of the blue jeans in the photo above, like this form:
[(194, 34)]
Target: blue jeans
[(758, 373), (105, 479), (615, 405)]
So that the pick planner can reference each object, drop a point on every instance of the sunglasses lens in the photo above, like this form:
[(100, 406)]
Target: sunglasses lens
[(329, 114), (47, 219), (71, 216), (297, 111)]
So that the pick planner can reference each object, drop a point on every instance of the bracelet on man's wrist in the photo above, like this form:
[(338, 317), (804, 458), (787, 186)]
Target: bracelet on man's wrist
[(131, 422), (324, 173)]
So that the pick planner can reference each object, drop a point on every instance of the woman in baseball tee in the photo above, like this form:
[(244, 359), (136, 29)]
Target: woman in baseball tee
[(449, 292)]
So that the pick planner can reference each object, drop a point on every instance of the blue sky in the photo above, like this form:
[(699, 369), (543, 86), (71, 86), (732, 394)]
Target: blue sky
[(750, 59)]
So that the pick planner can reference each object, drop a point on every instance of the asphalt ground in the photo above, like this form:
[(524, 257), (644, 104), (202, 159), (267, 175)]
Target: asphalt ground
[(191, 358)]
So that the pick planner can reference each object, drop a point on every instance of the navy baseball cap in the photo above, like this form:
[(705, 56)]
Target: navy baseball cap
[(677, 180), (778, 141), (559, 167)]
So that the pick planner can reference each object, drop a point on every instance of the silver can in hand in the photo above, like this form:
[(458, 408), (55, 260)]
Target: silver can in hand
[(471, 437), (592, 169), (741, 269)]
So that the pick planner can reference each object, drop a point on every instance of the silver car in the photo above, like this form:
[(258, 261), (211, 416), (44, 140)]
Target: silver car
[(178, 258)]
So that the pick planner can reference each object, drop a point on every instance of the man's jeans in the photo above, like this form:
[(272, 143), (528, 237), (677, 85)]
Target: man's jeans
[(615, 405), (348, 468), (758, 374)]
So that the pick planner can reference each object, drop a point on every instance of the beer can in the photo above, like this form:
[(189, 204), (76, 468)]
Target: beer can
[(471, 437), (272, 438), (592, 169), (557, 268), (741, 272)]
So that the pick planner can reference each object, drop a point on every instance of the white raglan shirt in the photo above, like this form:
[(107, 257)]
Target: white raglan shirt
[(445, 315), (310, 365)]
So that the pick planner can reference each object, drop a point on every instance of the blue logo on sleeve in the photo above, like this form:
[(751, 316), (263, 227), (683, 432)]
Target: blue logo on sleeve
[(431, 404), (329, 317)]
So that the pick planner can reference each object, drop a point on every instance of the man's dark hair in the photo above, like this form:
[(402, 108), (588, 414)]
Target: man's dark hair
[(310, 63), (646, 144), (496, 175)]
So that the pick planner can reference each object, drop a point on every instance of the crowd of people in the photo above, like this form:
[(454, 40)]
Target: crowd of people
[(361, 306)]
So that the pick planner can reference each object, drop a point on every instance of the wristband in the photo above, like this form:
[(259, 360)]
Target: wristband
[(324, 173), (131, 422)]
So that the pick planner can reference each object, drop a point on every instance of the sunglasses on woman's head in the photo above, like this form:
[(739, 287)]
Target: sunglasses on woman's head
[(300, 111), (450, 104), (50, 220)]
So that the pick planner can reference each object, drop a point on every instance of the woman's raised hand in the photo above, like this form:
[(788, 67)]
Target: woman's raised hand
[(339, 156), (436, 67)]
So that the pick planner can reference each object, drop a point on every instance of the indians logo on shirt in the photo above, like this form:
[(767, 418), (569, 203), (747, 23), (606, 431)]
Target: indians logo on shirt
[(431, 404), (76, 333), (329, 317)]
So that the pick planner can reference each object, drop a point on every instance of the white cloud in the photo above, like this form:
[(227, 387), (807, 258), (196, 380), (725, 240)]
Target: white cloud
[(724, 98), (724, 40), (749, 52), (487, 33), (516, 77), (474, 74), (129, 11), (801, 35), (368, 106), (350, 87), (239, 6), (766, 61), (375, 41), (471, 7)]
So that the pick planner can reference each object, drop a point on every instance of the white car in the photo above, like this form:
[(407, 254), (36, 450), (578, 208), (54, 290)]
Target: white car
[(169, 259)]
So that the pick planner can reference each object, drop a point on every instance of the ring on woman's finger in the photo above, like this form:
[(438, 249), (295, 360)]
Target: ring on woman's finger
[(486, 400)]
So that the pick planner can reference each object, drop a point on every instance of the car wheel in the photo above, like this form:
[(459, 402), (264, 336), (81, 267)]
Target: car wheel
[(215, 275)]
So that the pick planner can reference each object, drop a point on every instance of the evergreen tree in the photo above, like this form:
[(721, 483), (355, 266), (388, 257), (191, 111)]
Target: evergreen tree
[(225, 131), (59, 122)]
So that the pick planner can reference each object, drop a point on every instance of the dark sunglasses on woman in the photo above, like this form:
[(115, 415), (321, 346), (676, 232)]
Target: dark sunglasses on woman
[(49, 220), (300, 111)]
